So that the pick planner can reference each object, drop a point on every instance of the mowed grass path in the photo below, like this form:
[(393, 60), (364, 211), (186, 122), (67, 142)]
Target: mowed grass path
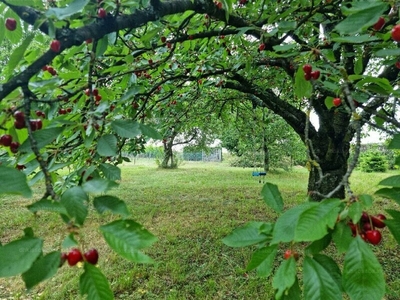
[(190, 210)]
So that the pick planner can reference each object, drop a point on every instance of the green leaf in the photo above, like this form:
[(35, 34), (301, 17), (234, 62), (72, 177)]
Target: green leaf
[(126, 128), (107, 145), (391, 193), (360, 39), (366, 200), (391, 181), (263, 260), (314, 222), (285, 226), (69, 241), (395, 142), (355, 211), (394, 224), (94, 284), (126, 237), (284, 277), (319, 245), (272, 196), (342, 237), (111, 172), (363, 276), (294, 293), (247, 235), (42, 137), (47, 205), (42, 269), (387, 52), (331, 267), (364, 18), (110, 203), (75, 201), (62, 13), (18, 54), (13, 181), (102, 45), (318, 282), (302, 87), (150, 132), (18, 256), (98, 185)]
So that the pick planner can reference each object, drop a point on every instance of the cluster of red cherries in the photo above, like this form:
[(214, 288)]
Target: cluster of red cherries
[(309, 73), (368, 227), (75, 255)]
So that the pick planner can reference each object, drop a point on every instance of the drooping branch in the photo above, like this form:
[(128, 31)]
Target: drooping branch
[(267, 98)]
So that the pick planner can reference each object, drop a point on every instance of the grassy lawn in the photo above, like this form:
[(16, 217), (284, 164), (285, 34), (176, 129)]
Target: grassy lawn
[(190, 210)]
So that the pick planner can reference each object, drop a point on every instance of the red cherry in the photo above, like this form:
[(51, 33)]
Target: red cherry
[(39, 124), (135, 105), (112, 107), (367, 226), (378, 221), (169, 45), (91, 256), (89, 41), (62, 111), (52, 71), (69, 109), (373, 236), (218, 4), (11, 24), (32, 124), (95, 92), (150, 61), (396, 33), (14, 147), (379, 24), (20, 167), (19, 116), (98, 98), (101, 13), (337, 102), (74, 256), (397, 64), (55, 46), (261, 47), (307, 76), (364, 217), (44, 68), (19, 124), (289, 253), (6, 140), (315, 74), (163, 39), (307, 69)]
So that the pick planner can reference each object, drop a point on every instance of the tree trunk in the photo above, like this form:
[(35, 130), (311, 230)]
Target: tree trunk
[(332, 154)]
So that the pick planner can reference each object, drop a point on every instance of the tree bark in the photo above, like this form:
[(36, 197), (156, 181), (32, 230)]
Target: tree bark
[(330, 152)]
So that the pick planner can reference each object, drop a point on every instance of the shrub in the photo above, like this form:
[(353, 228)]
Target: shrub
[(373, 161)]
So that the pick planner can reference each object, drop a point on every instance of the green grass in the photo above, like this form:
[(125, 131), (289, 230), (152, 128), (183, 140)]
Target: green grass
[(190, 210)]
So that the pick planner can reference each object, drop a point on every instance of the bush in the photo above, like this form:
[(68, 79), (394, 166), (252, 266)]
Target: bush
[(373, 161)]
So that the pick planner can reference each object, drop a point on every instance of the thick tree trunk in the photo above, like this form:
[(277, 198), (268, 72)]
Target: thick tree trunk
[(332, 154)]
